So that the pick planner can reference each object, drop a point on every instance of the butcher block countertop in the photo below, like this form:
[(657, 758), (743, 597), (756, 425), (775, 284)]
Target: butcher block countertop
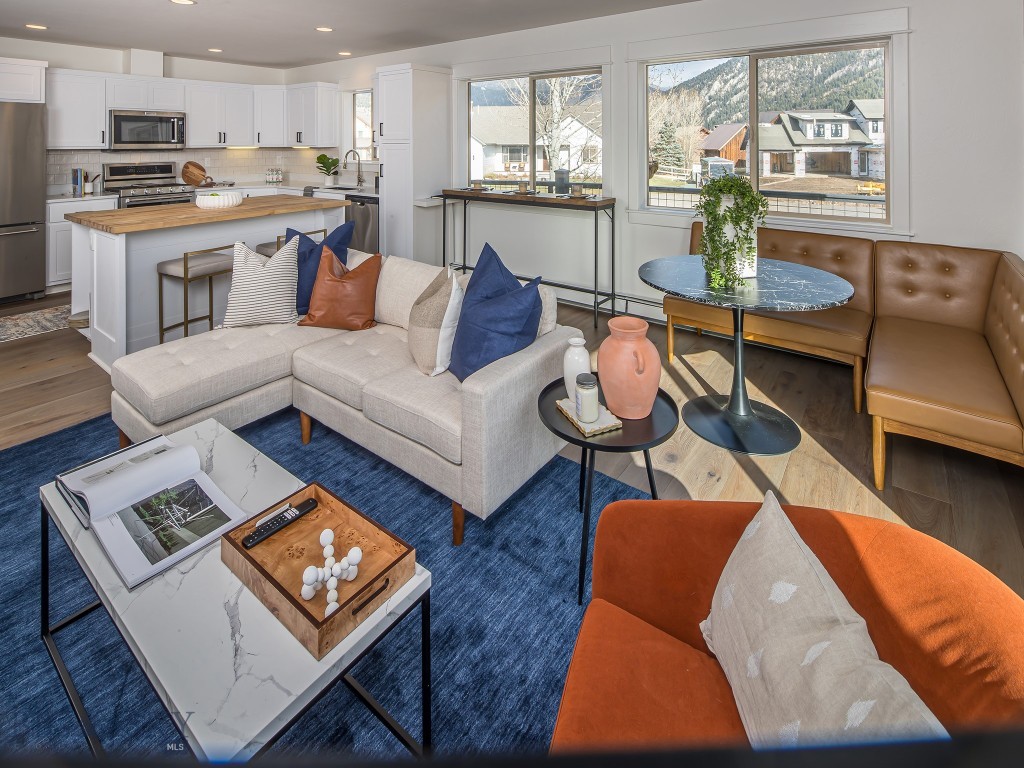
[(148, 218)]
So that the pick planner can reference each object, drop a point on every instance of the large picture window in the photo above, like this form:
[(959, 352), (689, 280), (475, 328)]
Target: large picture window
[(537, 129), (817, 149)]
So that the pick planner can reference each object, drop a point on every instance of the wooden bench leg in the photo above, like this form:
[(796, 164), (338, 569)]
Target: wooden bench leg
[(123, 441), (878, 451), (858, 384), (458, 523), (306, 424), (700, 331), (670, 328)]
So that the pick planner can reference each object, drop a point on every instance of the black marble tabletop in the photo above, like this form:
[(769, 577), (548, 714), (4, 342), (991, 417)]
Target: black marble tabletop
[(780, 286)]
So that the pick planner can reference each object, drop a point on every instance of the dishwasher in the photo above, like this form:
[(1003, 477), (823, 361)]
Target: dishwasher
[(363, 212)]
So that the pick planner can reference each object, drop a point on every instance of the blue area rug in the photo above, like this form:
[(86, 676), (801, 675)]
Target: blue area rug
[(503, 616)]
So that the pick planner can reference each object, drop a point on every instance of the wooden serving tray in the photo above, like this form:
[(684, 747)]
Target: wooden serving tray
[(272, 570)]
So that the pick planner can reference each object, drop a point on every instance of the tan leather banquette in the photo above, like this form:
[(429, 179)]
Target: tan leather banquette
[(838, 334), (947, 352)]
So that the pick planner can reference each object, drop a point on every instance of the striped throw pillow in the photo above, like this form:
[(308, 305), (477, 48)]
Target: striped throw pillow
[(262, 289)]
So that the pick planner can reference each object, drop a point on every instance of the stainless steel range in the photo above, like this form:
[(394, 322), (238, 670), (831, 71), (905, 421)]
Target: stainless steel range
[(138, 184)]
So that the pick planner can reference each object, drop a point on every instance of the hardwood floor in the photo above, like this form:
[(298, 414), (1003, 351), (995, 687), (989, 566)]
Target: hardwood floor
[(972, 503)]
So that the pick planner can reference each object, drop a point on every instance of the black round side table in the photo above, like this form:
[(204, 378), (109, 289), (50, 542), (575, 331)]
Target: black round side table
[(635, 435)]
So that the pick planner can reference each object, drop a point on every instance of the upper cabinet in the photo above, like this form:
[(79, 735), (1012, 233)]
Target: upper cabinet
[(76, 111), (394, 111), (22, 80), (271, 122), (219, 115), (153, 95), (312, 115)]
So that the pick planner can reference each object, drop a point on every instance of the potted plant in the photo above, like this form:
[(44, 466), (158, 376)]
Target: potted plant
[(328, 166), (732, 211)]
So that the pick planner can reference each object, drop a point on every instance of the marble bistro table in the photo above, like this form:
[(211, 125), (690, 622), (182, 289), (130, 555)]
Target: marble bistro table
[(734, 421)]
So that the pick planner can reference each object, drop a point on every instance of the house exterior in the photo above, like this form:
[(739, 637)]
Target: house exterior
[(728, 141)]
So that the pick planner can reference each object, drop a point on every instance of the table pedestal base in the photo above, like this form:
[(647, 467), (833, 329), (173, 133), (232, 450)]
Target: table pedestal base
[(766, 431)]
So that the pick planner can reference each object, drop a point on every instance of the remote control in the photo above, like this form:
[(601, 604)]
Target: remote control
[(268, 528)]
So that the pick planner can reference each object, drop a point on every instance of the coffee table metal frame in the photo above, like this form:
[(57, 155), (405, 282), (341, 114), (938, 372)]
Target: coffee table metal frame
[(48, 632), (635, 435)]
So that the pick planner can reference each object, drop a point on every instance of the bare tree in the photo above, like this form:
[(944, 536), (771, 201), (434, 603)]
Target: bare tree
[(681, 108)]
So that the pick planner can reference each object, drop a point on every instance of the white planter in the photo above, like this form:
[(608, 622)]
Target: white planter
[(747, 263), (575, 362)]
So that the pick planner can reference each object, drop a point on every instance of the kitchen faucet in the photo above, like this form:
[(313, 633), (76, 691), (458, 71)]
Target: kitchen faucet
[(359, 166)]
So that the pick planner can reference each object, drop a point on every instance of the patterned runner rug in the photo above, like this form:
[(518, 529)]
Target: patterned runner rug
[(36, 321)]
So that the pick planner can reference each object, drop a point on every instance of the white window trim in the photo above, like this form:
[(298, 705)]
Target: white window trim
[(892, 24)]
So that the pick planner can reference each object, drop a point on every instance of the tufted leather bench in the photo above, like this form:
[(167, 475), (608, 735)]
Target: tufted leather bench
[(946, 362), (839, 334)]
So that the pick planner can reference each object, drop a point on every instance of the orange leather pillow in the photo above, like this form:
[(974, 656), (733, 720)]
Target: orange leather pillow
[(344, 298)]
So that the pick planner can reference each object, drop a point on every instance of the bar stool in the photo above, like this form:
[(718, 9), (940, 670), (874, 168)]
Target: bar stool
[(192, 266), (269, 249)]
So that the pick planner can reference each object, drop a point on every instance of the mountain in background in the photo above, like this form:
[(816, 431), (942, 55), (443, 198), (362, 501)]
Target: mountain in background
[(815, 81)]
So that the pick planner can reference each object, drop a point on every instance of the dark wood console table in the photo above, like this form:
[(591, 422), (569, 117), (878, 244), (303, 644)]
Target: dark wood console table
[(595, 204)]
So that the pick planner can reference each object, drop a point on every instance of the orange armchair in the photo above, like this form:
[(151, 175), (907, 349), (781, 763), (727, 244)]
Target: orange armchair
[(641, 675)]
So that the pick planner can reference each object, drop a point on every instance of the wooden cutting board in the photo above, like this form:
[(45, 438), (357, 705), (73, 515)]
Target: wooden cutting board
[(193, 173)]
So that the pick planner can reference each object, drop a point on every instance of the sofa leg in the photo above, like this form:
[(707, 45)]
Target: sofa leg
[(306, 425), (878, 451), (670, 329), (858, 384), (458, 523), (123, 441)]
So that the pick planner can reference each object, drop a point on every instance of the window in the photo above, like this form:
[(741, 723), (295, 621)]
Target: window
[(531, 127), (362, 124), (703, 109)]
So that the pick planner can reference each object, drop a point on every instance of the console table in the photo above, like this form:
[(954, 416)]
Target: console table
[(596, 205)]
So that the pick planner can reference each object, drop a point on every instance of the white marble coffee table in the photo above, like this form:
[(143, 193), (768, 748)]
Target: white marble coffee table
[(231, 676)]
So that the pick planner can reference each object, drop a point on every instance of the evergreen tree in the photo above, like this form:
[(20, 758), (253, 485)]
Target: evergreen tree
[(667, 150)]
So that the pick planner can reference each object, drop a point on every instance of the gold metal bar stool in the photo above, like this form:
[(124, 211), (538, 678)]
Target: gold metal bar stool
[(269, 249), (193, 265)]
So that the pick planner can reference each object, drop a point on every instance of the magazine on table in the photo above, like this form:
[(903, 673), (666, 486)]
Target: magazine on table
[(150, 506)]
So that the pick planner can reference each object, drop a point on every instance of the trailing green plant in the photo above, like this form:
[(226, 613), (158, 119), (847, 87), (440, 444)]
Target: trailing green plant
[(747, 210), (328, 166)]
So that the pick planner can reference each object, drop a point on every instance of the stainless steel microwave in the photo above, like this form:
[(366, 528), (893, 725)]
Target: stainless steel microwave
[(135, 129)]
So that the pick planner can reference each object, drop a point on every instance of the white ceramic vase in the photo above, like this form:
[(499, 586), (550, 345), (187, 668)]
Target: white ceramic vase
[(746, 263), (575, 362)]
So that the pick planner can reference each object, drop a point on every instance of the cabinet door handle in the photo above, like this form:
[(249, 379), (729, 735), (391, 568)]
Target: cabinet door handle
[(300, 137), (380, 129), (380, 170), (257, 137), (103, 138), (19, 232)]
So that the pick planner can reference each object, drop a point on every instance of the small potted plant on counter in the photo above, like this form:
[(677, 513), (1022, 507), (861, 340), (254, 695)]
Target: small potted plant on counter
[(328, 166), (732, 211)]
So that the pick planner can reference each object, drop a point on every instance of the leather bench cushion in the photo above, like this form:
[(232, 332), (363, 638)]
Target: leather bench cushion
[(1004, 325), (631, 685), (426, 409), (943, 378), (695, 313), (839, 329), (183, 376), (343, 365)]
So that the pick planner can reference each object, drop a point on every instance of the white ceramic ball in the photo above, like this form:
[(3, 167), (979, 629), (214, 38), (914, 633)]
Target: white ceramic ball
[(327, 537), (332, 596), (319, 574), (308, 590), (345, 563), (329, 563), (332, 583), (318, 586), (336, 569), (309, 575), (355, 556), (352, 573), (331, 608), (329, 550)]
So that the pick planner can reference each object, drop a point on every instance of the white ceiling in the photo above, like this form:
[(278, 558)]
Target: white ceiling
[(280, 33)]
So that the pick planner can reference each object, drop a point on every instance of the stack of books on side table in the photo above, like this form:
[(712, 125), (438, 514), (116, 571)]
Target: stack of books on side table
[(606, 420)]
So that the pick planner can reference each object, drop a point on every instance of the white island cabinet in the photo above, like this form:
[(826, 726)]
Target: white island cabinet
[(115, 254)]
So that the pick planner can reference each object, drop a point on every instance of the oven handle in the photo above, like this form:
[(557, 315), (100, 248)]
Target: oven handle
[(19, 232)]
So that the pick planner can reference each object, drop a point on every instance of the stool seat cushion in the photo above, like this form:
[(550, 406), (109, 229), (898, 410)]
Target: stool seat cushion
[(198, 266), (266, 249)]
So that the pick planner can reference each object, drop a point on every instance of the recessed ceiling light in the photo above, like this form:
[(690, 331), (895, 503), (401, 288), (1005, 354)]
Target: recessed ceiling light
[(35, 26), (344, 53), (215, 50), (184, 2), (324, 29)]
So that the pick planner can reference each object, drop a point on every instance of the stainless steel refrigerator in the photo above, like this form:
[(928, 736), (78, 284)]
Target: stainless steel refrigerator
[(22, 199)]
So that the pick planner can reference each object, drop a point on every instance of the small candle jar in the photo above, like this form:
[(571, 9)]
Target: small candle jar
[(586, 398), (524, 187), (576, 190)]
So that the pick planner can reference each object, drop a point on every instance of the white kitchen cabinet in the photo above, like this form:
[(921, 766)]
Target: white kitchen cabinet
[(145, 94), (333, 217), (58, 234), (76, 110), (166, 96), (22, 80), (394, 95), (312, 119), (397, 237), (219, 116), (270, 109)]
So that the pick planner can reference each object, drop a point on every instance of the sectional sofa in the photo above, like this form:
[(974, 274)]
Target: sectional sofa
[(476, 442)]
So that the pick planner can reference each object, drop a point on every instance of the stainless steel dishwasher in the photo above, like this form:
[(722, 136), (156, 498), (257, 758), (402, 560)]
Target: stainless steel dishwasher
[(363, 212)]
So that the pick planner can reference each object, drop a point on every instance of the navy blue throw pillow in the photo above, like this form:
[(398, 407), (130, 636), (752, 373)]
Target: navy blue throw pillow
[(499, 316), (309, 259)]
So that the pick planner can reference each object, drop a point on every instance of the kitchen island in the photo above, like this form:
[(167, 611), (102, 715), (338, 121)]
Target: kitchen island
[(114, 256)]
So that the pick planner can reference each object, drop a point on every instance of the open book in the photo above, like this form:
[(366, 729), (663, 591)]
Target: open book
[(150, 506)]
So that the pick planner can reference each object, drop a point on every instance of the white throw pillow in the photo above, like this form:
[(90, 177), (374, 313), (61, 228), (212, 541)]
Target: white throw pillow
[(801, 664), (432, 323), (262, 289)]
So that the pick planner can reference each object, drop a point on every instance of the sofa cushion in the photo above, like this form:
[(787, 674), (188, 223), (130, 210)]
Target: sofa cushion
[(632, 686), (310, 253), (343, 365), (262, 289), (401, 283), (839, 329), (426, 409), (943, 378), (432, 323), (186, 375), (548, 305), (342, 297)]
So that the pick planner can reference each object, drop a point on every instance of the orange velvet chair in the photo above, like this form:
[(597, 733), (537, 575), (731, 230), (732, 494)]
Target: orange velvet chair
[(642, 677)]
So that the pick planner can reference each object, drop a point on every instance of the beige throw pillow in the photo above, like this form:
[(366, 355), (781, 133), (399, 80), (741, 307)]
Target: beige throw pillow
[(799, 659), (262, 289), (432, 322)]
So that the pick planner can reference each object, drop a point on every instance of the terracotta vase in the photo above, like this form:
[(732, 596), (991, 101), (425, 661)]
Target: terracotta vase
[(630, 368)]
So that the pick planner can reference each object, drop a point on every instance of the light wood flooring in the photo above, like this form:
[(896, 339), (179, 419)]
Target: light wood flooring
[(972, 503)]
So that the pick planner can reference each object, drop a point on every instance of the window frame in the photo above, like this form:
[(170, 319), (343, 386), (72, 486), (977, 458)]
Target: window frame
[(355, 121)]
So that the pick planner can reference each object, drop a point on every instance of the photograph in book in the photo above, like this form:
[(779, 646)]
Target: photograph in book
[(172, 520)]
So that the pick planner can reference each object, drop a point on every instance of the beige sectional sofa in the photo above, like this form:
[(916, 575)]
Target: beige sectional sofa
[(476, 442)]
